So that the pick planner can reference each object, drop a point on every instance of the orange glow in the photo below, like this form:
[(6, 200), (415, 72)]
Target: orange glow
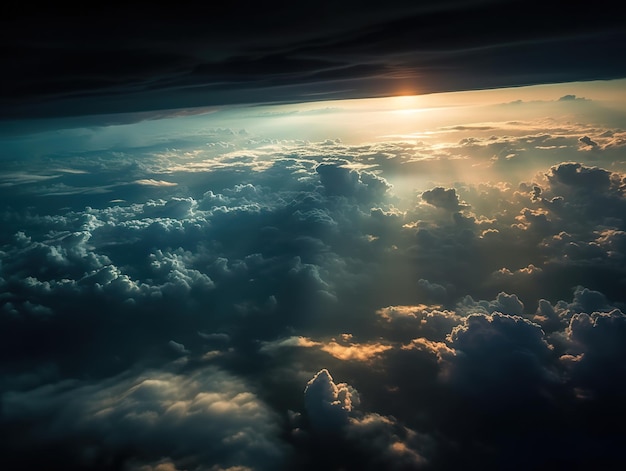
[(355, 351)]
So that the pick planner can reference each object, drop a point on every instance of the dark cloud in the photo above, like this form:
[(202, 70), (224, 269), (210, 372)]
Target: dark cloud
[(579, 176), (189, 418), (572, 98), (328, 404), (371, 440), (443, 198), (434, 291), (597, 346), (499, 358), (65, 62), (497, 377), (586, 140)]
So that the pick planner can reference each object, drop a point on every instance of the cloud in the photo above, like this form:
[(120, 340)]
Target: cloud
[(12, 179), (354, 351), (520, 274), (328, 404), (343, 350), (288, 342), (469, 309), (379, 440), (499, 357), (340, 180), (572, 98), (443, 198), (175, 208), (586, 140), (434, 291), (596, 352), (370, 51), (179, 348), (504, 303), (200, 418), (407, 323), (387, 443), (579, 176), (152, 182)]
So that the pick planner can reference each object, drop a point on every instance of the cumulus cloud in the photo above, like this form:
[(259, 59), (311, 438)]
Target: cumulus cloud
[(175, 208), (499, 357), (579, 176), (596, 352), (379, 440), (444, 198), (422, 321), (328, 404), (504, 303), (339, 179), (469, 307), (518, 276)]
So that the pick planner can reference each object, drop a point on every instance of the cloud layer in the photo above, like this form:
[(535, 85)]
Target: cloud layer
[(68, 63), (247, 302)]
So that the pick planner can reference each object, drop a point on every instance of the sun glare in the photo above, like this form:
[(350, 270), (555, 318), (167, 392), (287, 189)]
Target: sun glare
[(405, 103)]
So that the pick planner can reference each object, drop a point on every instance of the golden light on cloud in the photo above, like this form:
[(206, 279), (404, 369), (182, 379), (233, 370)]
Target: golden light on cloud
[(390, 313), (440, 349), (355, 351), (343, 349)]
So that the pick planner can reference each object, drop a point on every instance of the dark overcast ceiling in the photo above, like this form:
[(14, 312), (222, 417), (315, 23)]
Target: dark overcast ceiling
[(65, 62)]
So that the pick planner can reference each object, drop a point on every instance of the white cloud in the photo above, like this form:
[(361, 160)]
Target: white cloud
[(153, 182)]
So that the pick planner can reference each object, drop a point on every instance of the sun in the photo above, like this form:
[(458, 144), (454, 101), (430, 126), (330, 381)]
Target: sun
[(405, 102)]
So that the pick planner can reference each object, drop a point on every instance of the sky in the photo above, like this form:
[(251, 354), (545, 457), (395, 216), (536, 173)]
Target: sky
[(342, 236)]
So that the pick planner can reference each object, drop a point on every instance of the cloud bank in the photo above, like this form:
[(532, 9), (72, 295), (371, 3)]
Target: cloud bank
[(248, 302)]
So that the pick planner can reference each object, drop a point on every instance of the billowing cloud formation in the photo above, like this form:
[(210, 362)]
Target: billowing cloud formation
[(382, 442), (328, 404), (498, 356), (469, 284), (596, 353), (497, 365), (340, 180), (443, 198)]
